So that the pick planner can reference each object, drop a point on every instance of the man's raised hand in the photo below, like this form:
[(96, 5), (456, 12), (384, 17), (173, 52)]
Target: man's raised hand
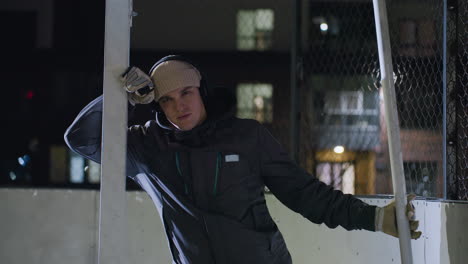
[(139, 86)]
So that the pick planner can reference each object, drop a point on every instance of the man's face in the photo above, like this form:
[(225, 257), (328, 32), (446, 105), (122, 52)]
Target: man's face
[(184, 107)]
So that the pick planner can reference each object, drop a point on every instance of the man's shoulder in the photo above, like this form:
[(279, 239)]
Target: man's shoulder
[(143, 130), (148, 135), (246, 122), (241, 124)]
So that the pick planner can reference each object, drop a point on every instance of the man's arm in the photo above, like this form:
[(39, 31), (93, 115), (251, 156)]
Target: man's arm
[(84, 134), (305, 194)]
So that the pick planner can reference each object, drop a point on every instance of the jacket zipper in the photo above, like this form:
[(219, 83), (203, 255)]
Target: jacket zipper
[(180, 173), (215, 186), (215, 189)]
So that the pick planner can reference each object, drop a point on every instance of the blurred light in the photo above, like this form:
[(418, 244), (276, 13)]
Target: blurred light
[(29, 94), (12, 176), (23, 161), (324, 26), (338, 149)]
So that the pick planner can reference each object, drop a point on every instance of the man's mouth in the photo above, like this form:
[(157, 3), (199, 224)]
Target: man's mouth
[(183, 116)]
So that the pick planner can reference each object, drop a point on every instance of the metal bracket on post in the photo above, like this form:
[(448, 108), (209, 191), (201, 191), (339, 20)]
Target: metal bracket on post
[(113, 223), (393, 129), (132, 13)]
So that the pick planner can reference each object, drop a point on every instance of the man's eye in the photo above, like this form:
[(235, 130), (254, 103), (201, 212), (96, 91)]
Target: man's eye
[(185, 92)]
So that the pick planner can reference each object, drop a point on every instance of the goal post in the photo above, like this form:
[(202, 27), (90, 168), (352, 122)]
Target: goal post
[(393, 129), (113, 222)]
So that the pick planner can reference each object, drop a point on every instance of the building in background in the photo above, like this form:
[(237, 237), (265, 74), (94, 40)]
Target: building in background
[(54, 68), (54, 63), (343, 123)]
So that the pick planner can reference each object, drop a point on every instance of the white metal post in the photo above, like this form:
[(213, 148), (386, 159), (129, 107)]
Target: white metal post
[(393, 129), (113, 223)]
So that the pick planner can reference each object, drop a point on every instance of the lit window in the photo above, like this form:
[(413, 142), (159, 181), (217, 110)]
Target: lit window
[(350, 108), (339, 175), (83, 170), (254, 29), (76, 168), (93, 171), (254, 101), (344, 102)]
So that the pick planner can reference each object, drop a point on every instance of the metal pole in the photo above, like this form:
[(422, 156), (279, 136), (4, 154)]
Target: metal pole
[(393, 129), (294, 114), (444, 100), (113, 223)]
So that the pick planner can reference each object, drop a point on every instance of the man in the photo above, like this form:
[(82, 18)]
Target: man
[(206, 170)]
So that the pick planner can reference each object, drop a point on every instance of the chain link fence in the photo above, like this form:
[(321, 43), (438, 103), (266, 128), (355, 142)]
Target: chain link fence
[(417, 45), (457, 99), (343, 127)]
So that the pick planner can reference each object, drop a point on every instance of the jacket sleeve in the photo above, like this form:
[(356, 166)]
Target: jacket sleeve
[(85, 133), (305, 194)]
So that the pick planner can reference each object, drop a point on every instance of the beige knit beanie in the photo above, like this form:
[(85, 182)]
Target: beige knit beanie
[(173, 74)]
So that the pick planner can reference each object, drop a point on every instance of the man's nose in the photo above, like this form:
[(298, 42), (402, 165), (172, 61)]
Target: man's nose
[(180, 105)]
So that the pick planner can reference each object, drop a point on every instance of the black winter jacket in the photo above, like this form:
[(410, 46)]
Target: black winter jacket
[(208, 185)]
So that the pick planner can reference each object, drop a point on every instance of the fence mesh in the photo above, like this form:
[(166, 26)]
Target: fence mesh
[(343, 123), (457, 99)]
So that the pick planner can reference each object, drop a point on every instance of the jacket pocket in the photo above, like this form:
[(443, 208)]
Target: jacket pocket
[(235, 243), (232, 173)]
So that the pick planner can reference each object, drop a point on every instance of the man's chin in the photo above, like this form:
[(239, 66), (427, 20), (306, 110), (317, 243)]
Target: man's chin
[(185, 127)]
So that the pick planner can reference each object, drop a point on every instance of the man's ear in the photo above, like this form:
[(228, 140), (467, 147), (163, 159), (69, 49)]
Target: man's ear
[(162, 120)]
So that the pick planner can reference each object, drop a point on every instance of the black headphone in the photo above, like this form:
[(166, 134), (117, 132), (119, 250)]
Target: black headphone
[(204, 90)]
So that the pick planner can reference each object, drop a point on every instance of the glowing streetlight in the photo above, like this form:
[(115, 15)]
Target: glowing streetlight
[(338, 149), (324, 26)]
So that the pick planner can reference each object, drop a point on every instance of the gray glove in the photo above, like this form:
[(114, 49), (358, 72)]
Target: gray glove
[(139, 86), (386, 219)]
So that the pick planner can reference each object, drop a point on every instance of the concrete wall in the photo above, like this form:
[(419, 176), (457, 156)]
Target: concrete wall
[(60, 226)]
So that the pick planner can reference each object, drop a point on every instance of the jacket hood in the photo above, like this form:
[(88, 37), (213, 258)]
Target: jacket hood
[(220, 104)]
